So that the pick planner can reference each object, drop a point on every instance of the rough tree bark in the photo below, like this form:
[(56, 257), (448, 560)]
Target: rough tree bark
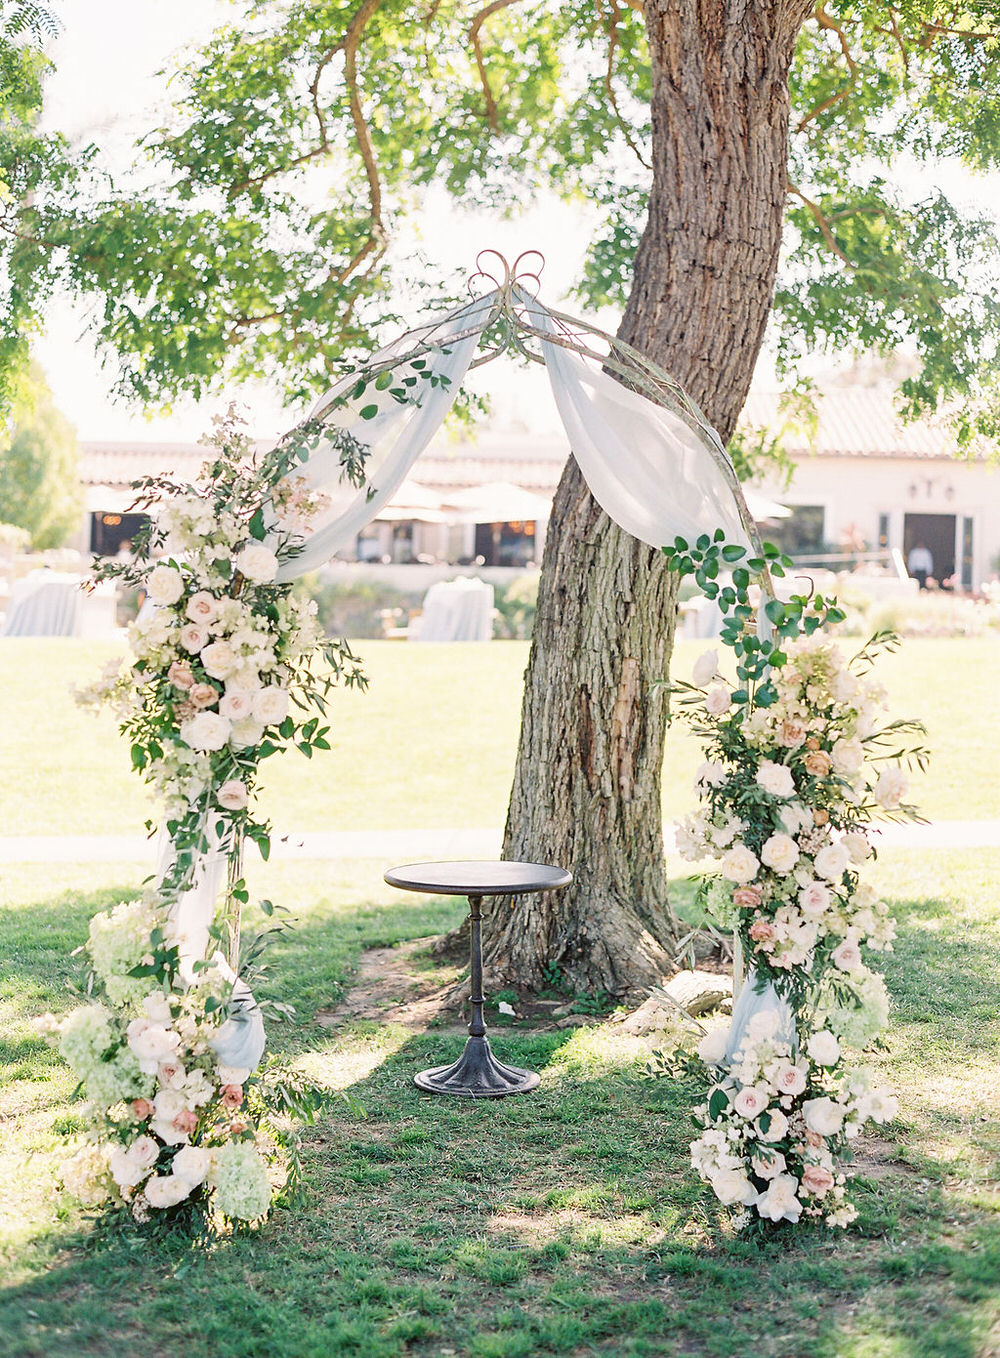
[(586, 791)]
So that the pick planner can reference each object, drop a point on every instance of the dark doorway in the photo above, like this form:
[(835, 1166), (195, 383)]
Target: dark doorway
[(937, 533), (506, 544), (109, 531)]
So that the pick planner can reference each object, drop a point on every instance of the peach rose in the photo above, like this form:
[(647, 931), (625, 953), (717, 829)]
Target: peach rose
[(204, 695), (761, 930), (141, 1109), (817, 763), (232, 1097)]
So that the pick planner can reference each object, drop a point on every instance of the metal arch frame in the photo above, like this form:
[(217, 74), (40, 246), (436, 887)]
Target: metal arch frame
[(506, 309)]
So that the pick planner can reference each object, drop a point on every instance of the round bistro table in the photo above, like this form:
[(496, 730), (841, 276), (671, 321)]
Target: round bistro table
[(477, 1074)]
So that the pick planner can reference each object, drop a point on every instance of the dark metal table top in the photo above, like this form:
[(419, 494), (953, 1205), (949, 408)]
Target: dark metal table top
[(478, 878)]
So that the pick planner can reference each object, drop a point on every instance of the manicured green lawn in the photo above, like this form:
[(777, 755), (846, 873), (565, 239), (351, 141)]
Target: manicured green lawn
[(563, 1223), (431, 744)]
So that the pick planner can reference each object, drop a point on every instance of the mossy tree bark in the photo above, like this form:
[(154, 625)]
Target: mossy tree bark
[(586, 791)]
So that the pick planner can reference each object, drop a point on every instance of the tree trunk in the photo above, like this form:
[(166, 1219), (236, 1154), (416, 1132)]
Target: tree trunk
[(586, 791)]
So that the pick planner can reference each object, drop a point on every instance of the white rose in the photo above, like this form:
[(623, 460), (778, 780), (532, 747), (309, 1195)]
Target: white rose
[(768, 1165), (270, 705), (740, 864), (781, 853), (219, 659), (831, 862), (706, 667), (202, 608), (731, 1186), (129, 1167), (165, 585), (779, 1203), (193, 638), (157, 1007), (166, 1191), (152, 1045), (712, 1047), (823, 1116), (891, 787), (847, 756), (814, 899), (718, 700), (257, 562), (776, 779), (777, 1126), (236, 704), (823, 1048), (232, 795), (246, 733), (192, 1163), (207, 731), (857, 846)]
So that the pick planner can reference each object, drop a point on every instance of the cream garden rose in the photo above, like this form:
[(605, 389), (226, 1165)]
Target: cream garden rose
[(740, 864), (780, 852), (257, 562), (207, 731), (776, 779), (164, 585)]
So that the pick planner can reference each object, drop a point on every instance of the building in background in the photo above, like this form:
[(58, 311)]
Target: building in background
[(864, 482)]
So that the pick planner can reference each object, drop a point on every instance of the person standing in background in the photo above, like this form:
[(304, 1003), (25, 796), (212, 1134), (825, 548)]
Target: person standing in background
[(920, 564)]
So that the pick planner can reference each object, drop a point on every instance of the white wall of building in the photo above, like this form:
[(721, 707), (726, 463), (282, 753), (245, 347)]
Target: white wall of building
[(855, 491)]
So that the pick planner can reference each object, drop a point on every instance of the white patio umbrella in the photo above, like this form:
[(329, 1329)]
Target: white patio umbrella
[(497, 502)]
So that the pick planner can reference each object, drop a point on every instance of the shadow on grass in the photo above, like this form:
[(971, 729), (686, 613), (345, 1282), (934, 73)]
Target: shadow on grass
[(566, 1222)]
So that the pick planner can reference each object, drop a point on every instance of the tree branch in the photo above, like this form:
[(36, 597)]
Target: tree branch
[(824, 20), (615, 17), (821, 222), (352, 40), (475, 28)]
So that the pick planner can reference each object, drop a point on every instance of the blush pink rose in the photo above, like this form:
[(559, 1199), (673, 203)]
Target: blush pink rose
[(847, 955), (193, 637), (232, 1097), (141, 1109), (232, 795), (203, 695), (750, 1102), (186, 1121), (761, 930), (790, 1080), (747, 896), (180, 675), (202, 608), (817, 1180)]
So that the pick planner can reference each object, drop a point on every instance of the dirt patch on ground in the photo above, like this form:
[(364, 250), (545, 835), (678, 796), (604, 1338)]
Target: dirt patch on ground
[(403, 984), (409, 984)]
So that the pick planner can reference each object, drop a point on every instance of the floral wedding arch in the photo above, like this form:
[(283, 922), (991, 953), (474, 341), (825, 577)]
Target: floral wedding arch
[(229, 668)]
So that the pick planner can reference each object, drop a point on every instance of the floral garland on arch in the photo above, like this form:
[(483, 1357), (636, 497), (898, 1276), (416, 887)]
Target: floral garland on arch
[(799, 761), (228, 668)]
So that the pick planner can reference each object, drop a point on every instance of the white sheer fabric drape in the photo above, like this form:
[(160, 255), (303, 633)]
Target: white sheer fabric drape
[(646, 467), (396, 436)]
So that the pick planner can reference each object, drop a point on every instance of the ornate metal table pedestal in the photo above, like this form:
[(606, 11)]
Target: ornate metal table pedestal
[(477, 1074)]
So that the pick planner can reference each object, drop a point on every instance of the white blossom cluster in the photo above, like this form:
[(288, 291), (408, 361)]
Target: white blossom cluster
[(777, 1123), (170, 1118)]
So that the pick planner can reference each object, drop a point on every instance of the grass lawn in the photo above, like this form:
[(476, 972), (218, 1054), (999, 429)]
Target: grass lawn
[(563, 1223), (432, 744)]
